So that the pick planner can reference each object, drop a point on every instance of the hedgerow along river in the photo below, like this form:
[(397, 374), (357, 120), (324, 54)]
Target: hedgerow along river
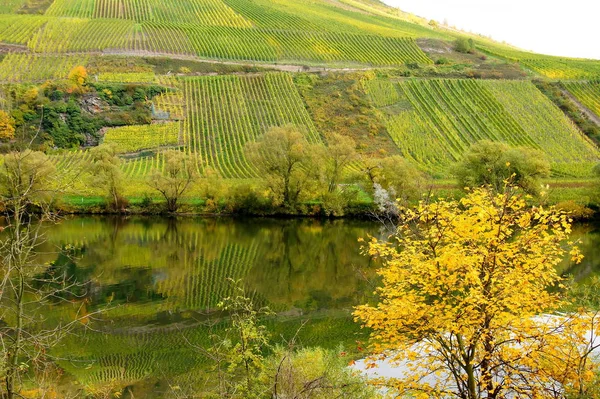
[(159, 282)]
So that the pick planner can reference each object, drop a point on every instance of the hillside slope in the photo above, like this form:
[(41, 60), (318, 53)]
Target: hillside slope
[(219, 73)]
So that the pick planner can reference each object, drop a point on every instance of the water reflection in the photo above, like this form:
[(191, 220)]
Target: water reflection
[(587, 237), (286, 264), (162, 278)]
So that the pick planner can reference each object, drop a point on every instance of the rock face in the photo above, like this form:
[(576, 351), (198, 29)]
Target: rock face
[(93, 104)]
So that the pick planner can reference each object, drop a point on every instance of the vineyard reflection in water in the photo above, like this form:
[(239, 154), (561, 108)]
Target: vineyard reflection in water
[(161, 280)]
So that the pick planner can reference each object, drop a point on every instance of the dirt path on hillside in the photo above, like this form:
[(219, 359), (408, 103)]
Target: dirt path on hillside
[(585, 110), (279, 67)]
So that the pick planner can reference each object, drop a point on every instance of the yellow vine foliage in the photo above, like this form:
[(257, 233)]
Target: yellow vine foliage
[(7, 128), (470, 299)]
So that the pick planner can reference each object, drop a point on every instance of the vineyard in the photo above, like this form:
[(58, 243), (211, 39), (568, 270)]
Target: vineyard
[(32, 68), (550, 66), (124, 77), (242, 30), (203, 12), (564, 68), (436, 121), (225, 112), (137, 138), (222, 43), (19, 29), (587, 93)]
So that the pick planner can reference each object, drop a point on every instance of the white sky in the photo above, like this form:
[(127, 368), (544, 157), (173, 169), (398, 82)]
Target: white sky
[(566, 27)]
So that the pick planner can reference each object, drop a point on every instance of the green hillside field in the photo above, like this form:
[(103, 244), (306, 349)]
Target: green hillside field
[(222, 72)]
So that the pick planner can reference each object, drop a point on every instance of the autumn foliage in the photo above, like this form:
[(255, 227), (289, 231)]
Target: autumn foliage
[(470, 301), (7, 128), (78, 75)]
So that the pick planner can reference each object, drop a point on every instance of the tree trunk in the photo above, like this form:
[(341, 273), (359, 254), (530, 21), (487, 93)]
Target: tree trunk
[(15, 352)]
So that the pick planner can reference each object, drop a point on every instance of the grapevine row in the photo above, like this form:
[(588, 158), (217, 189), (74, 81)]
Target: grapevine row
[(26, 67), (67, 35), (136, 138), (225, 112), (587, 93), (446, 117)]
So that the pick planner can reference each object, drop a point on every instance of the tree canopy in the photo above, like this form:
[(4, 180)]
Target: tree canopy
[(466, 285), (179, 174), (490, 163), (286, 160)]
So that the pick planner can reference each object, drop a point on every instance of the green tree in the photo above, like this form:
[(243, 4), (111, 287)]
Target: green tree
[(286, 160), (395, 175), (333, 164), (247, 365), (106, 173), (339, 154), (492, 163), (313, 373), (238, 352), (179, 173)]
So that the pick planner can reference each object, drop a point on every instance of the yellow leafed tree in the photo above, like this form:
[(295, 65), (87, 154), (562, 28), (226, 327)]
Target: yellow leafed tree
[(78, 75), (7, 128), (469, 302)]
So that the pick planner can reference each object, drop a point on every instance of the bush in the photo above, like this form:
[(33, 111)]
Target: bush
[(325, 371), (464, 45)]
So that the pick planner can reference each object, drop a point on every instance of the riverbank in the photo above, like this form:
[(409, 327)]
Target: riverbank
[(579, 197)]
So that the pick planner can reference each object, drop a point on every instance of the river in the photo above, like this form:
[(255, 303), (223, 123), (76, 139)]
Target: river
[(159, 281)]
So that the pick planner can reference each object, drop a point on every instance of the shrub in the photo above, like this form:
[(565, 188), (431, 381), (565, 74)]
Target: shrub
[(464, 45)]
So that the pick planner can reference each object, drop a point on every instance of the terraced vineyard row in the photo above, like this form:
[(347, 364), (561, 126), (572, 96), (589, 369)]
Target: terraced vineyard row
[(60, 35), (446, 116), (169, 104), (564, 68), (296, 15), (69, 35), (381, 92), (31, 68), (140, 168), (203, 12), (137, 138), (18, 29), (571, 152), (225, 112), (322, 16), (549, 66), (587, 93), (126, 77)]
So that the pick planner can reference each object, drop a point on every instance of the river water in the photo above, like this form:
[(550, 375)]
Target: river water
[(160, 280)]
